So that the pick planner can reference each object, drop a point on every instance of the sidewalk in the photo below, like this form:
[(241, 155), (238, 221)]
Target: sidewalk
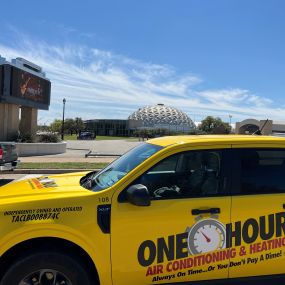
[(56, 158)]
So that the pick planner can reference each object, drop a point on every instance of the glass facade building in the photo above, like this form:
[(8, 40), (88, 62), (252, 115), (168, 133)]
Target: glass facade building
[(108, 127)]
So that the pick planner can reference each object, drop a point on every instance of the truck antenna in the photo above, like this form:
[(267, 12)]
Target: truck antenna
[(259, 131)]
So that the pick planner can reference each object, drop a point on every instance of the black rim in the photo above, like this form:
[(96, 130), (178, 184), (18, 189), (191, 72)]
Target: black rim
[(45, 277)]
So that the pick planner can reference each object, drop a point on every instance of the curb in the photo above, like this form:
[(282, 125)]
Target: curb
[(72, 148), (47, 171)]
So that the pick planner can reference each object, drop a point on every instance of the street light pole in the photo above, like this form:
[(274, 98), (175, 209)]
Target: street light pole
[(230, 119), (230, 116), (62, 125)]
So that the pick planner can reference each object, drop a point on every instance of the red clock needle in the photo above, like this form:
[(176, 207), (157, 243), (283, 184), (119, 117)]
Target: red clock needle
[(206, 237)]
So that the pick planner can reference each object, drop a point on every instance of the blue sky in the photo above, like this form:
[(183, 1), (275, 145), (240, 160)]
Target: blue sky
[(108, 58)]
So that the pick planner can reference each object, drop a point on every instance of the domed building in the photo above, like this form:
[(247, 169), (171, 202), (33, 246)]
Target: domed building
[(157, 117), (160, 116)]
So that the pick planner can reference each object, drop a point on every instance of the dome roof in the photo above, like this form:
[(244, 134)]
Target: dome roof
[(161, 115)]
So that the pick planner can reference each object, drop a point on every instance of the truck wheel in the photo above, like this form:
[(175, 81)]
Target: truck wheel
[(46, 268)]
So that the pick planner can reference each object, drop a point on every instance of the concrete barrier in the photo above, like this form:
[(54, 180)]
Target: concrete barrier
[(34, 149)]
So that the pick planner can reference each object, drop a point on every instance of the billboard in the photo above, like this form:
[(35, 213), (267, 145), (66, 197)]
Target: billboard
[(1, 80), (25, 88), (29, 86)]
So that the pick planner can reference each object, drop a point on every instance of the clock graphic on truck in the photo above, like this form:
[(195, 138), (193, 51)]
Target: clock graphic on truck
[(205, 236)]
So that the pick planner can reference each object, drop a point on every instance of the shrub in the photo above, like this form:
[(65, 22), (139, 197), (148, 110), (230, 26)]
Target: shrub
[(21, 138), (49, 138)]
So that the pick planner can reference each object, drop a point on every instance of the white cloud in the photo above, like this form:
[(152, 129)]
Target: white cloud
[(234, 96), (101, 84)]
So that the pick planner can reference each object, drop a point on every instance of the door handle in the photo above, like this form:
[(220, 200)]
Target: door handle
[(196, 212)]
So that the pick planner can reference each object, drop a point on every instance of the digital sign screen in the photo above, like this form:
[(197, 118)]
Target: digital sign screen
[(23, 88), (29, 87), (1, 79)]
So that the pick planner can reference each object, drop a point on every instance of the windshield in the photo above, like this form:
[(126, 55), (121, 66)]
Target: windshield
[(119, 168)]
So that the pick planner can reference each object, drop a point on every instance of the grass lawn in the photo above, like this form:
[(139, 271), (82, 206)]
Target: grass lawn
[(61, 165), (101, 138)]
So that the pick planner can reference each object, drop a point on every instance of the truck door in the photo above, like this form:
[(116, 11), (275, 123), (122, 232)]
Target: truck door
[(258, 217), (181, 236)]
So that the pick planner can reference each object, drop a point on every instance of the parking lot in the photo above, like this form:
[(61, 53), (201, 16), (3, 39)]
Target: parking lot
[(75, 152)]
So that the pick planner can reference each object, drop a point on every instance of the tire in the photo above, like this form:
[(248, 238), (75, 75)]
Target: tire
[(50, 266)]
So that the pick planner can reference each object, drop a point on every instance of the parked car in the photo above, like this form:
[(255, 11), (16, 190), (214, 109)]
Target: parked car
[(86, 136), (8, 156), (173, 210)]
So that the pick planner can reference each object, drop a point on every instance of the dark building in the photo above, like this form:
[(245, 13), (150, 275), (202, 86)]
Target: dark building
[(108, 127)]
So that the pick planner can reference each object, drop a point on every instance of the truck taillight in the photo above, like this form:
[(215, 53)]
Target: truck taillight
[(1, 153)]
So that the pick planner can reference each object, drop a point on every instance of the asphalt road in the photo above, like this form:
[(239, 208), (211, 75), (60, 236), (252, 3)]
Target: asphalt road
[(5, 181), (117, 147), (10, 177)]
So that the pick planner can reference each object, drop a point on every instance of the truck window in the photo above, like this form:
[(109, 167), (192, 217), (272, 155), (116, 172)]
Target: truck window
[(262, 171), (120, 167), (183, 175)]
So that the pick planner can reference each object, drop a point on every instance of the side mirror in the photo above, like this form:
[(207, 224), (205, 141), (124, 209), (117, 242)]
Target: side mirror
[(138, 195)]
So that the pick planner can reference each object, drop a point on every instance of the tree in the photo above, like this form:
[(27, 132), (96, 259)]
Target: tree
[(69, 126), (55, 126), (79, 125), (211, 125), (43, 128)]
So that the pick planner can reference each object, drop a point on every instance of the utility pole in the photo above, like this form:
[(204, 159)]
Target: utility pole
[(62, 125)]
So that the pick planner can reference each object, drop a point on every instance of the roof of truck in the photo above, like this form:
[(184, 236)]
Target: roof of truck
[(224, 139)]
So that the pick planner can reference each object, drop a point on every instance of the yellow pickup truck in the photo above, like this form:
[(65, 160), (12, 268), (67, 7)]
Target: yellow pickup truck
[(173, 210)]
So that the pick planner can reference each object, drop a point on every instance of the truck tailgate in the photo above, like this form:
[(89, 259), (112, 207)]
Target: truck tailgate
[(8, 152)]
